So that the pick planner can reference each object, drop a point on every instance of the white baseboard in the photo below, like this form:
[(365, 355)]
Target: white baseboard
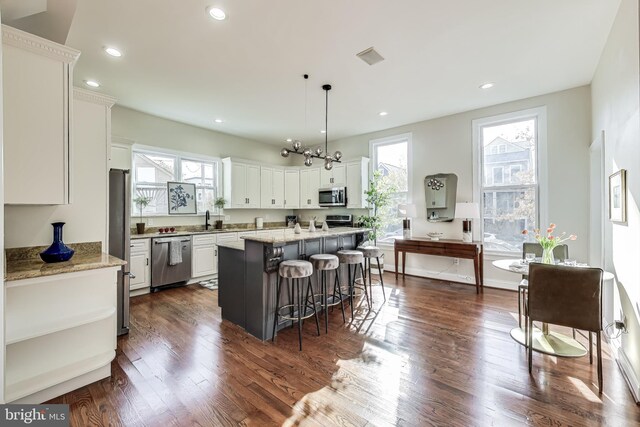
[(459, 278), (141, 291), (628, 374)]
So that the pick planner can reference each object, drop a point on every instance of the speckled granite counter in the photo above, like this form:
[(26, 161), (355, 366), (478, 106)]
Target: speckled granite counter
[(35, 267), (290, 236), (239, 245), (212, 231)]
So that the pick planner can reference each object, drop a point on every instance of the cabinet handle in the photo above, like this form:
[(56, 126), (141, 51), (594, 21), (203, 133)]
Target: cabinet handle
[(216, 252), (147, 261)]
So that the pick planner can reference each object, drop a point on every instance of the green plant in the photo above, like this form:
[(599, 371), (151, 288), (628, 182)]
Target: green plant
[(219, 203), (378, 196), (142, 202)]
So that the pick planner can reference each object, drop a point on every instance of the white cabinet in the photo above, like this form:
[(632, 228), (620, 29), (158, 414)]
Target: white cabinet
[(241, 184), (139, 264), (292, 189), (37, 84), (120, 153), (204, 255), (336, 177), (357, 183), (60, 333), (272, 188), (309, 186)]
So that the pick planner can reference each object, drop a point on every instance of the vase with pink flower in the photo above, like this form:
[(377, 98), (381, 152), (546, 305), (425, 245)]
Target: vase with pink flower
[(548, 241)]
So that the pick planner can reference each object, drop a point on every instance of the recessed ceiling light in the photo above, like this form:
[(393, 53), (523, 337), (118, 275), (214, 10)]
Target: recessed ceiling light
[(92, 83), (218, 120), (289, 140), (382, 113), (487, 85), (217, 13), (323, 131), (113, 52)]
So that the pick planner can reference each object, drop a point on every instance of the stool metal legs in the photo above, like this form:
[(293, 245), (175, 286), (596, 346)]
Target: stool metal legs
[(322, 279), (367, 263), (296, 303), (352, 284)]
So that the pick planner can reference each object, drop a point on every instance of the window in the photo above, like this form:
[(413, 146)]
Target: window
[(508, 176), (152, 171), (390, 157)]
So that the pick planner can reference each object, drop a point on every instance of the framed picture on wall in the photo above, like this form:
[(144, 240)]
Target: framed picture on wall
[(618, 197), (182, 198)]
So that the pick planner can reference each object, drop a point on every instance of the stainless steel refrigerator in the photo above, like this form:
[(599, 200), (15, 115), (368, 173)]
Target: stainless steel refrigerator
[(119, 238)]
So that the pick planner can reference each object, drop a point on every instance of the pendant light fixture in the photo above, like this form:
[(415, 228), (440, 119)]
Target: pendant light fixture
[(310, 154)]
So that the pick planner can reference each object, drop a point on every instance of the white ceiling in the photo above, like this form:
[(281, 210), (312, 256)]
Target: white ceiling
[(178, 63)]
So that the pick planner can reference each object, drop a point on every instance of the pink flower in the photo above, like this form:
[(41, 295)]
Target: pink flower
[(551, 237), (573, 237), (549, 230), (525, 232), (552, 226)]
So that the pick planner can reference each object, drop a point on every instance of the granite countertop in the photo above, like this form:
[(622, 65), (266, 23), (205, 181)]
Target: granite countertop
[(239, 245), (35, 267), (189, 233), (290, 236)]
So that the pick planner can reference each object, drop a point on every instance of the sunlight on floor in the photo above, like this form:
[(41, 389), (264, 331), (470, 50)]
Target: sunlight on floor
[(585, 390)]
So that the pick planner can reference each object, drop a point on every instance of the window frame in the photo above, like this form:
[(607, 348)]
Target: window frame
[(541, 188), (179, 156), (390, 140)]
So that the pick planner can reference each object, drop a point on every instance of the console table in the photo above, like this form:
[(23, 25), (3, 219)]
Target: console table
[(448, 248)]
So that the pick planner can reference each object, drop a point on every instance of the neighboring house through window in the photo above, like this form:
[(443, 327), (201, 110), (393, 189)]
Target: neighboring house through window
[(510, 176), (391, 157), (153, 169)]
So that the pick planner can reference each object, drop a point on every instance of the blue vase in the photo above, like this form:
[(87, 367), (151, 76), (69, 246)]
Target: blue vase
[(58, 251)]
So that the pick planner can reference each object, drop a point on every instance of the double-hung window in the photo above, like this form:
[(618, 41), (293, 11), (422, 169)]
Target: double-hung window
[(390, 157), (153, 169), (509, 176)]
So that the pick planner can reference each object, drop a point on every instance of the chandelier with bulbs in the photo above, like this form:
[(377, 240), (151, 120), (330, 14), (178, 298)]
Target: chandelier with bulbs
[(310, 154)]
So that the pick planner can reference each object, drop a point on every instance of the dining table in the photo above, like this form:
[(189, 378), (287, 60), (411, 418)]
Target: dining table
[(544, 340)]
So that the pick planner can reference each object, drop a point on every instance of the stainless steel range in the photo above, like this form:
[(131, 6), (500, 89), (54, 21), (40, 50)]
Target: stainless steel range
[(334, 221)]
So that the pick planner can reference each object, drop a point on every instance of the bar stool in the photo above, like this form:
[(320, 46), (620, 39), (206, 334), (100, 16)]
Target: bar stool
[(295, 271), (355, 259), (323, 263), (370, 252)]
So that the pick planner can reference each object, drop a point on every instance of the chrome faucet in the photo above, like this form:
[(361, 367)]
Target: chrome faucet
[(207, 217)]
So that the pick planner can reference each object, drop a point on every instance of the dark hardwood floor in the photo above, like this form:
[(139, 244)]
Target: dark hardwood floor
[(435, 354)]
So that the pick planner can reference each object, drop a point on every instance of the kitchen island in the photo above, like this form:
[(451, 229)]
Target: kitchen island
[(248, 275)]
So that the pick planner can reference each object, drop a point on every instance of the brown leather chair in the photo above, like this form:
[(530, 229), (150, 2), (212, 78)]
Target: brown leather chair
[(560, 252), (566, 296)]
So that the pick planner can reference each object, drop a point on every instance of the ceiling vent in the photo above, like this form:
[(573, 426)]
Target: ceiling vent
[(370, 56)]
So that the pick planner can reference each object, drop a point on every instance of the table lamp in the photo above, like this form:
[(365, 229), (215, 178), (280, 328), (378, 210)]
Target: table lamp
[(407, 211), (467, 211)]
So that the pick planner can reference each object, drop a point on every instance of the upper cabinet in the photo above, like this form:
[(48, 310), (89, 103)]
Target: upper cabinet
[(357, 183), (272, 188), (291, 189), (37, 84), (336, 177), (309, 186), (241, 184)]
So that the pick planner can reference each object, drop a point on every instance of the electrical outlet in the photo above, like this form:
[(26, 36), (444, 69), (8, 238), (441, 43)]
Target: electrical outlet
[(456, 261)]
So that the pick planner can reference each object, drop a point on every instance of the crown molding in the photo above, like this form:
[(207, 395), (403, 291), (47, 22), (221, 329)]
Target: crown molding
[(90, 96), (27, 41)]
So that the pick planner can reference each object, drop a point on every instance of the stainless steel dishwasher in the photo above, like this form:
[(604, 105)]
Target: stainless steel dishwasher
[(161, 272)]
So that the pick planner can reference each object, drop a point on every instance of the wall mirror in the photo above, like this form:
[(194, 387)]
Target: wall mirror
[(440, 194)]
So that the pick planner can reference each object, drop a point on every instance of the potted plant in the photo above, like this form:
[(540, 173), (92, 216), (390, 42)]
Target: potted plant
[(378, 197), (219, 204), (141, 202)]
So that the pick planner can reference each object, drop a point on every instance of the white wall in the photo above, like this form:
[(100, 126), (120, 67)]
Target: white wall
[(86, 217), (154, 131), (616, 104), (445, 145)]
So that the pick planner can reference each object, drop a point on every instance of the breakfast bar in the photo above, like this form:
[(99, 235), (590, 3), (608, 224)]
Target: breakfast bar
[(248, 274)]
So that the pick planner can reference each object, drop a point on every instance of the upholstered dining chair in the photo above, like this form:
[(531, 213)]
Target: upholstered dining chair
[(560, 252), (565, 296)]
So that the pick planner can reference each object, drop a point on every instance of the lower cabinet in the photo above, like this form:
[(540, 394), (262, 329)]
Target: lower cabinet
[(204, 256), (60, 333), (140, 264)]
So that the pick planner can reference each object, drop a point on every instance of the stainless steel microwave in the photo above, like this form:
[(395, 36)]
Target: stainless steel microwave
[(336, 196)]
